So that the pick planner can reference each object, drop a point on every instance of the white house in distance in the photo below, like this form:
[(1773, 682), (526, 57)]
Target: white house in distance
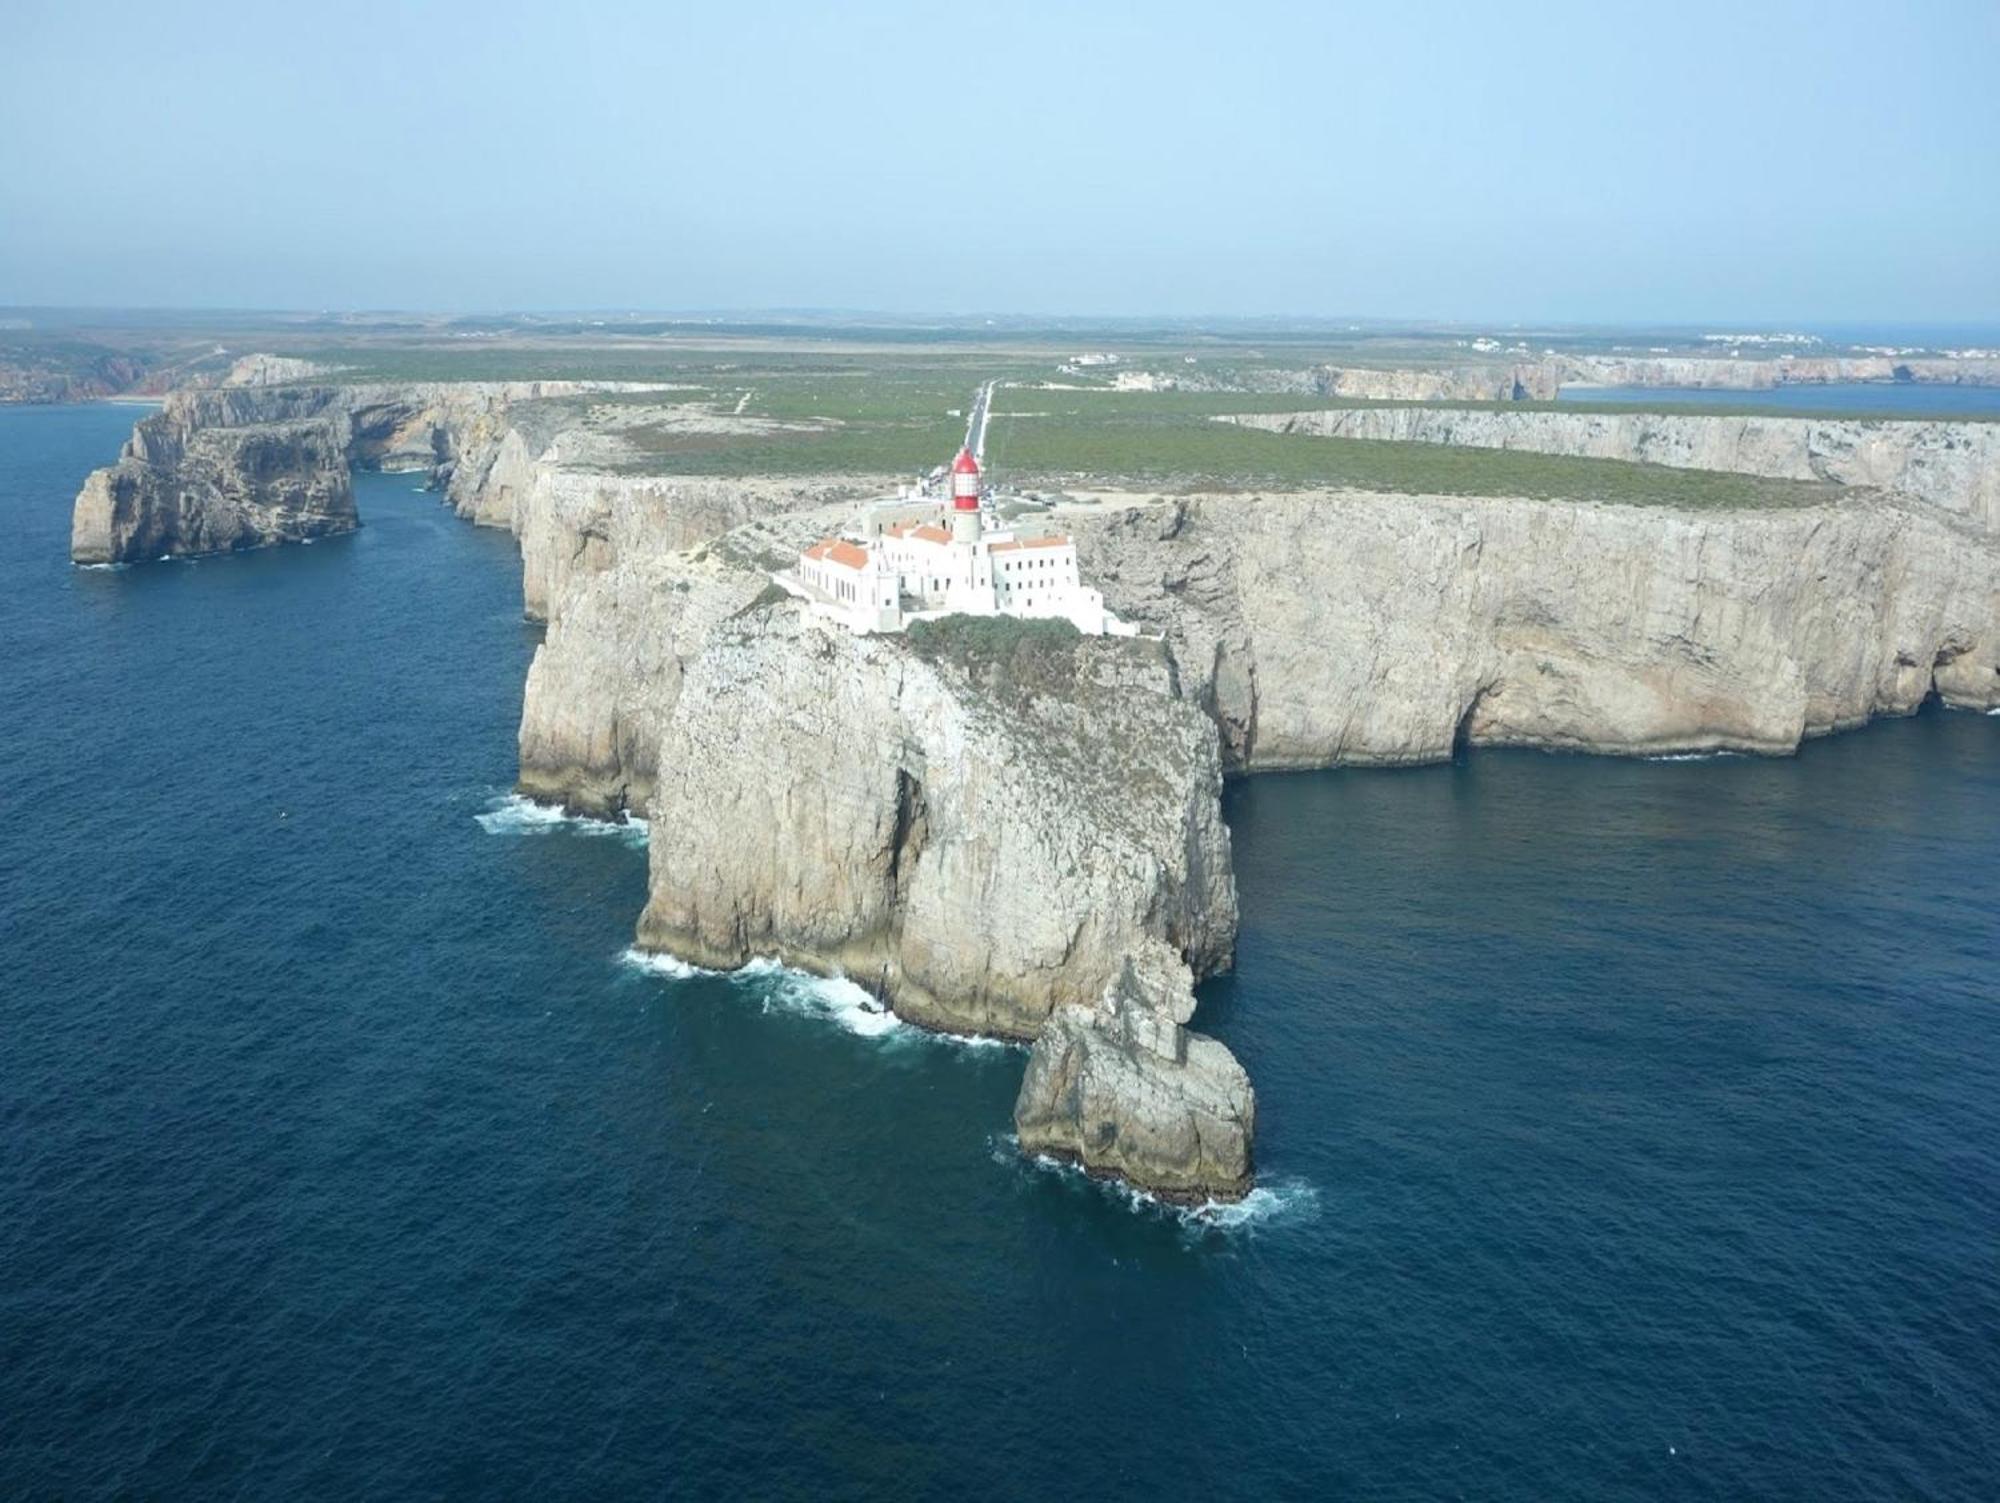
[(915, 557)]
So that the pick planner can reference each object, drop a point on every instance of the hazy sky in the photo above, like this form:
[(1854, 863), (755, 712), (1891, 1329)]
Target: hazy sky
[(1675, 162)]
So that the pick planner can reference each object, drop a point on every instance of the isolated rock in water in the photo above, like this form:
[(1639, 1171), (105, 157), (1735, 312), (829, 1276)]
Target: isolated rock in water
[(1123, 1089), (216, 490), (244, 465), (976, 820)]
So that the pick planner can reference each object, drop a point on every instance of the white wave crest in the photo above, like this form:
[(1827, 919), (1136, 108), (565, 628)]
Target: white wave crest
[(835, 999), (659, 963), (1708, 756), (1289, 1199), (1269, 1202), (516, 814), (778, 987)]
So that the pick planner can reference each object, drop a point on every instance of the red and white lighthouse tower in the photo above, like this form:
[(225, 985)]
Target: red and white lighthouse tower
[(965, 497)]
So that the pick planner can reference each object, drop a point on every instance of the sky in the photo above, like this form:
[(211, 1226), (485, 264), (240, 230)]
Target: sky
[(1756, 162)]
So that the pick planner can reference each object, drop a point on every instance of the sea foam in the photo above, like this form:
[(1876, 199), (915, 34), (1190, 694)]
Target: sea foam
[(834, 999), (515, 814), (1270, 1202)]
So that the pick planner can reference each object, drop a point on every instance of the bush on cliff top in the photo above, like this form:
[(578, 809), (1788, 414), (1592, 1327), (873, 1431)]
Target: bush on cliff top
[(1001, 651)]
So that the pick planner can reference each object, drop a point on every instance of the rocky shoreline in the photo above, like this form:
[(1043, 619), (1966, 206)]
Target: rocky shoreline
[(1021, 835)]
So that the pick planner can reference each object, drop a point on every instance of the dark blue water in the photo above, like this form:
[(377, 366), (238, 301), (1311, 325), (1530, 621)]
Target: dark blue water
[(1629, 1130), (1899, 399)]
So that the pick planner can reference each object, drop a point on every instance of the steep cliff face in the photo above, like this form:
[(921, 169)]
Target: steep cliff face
[(1521, 382), (1952, 465), (609, 672), (180, 491), (977, 824), (1346, 628), (574, 524), (1502, 379), (239, 466), (1768, 374), (632, 576), (1124, 1090)]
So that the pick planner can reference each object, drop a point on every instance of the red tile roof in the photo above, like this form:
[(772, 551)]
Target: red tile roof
[(930, 532), (839, 551), (1053, 540)]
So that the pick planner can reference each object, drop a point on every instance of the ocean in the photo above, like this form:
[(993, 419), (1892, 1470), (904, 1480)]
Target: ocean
[(1628, 1129)]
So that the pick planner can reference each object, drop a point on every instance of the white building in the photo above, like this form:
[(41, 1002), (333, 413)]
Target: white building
[(915, 558)]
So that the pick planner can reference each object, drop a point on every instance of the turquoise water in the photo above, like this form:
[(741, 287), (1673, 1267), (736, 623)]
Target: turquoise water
[(1629, 1129), (1873, 398)]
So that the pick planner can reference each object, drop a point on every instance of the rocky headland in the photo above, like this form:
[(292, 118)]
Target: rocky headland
[(1017, 834), (250, 464)]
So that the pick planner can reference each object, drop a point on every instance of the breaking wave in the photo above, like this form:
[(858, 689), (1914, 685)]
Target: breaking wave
[(659, 963), (834, 999), (1270, 1201), (516, 814), (779, 988)]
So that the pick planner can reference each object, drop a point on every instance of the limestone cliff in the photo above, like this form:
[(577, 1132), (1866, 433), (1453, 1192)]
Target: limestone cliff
[(1954, 465), (1123, 1089), (1332, 628), (248, 464), (1770, 373), (977, 820), (1517, 377), (185, 489)]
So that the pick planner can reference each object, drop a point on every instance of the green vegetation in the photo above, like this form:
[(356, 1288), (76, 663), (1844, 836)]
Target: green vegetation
[(1006, 648), (1189, 451), (1012, 660), (771, 596), (884, 448), (1126, 404)]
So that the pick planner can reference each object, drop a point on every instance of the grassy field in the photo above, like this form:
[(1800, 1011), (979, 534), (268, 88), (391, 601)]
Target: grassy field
[(902, 412), (1097, 405), (864, 448), (904, 418), (1187, 451)]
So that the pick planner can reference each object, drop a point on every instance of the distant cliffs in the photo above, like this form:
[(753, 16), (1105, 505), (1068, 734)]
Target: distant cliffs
[(240, 466), (1517, 376), (1952, 465)]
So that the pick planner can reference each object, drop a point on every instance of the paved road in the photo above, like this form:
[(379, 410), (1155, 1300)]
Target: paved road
[(975, 427)]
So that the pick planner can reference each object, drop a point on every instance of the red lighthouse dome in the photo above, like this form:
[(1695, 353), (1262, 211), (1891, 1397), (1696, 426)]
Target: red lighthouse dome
[(965, 482)]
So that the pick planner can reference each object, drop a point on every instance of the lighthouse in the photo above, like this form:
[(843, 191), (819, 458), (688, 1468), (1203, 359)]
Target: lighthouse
[(965, 498)]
